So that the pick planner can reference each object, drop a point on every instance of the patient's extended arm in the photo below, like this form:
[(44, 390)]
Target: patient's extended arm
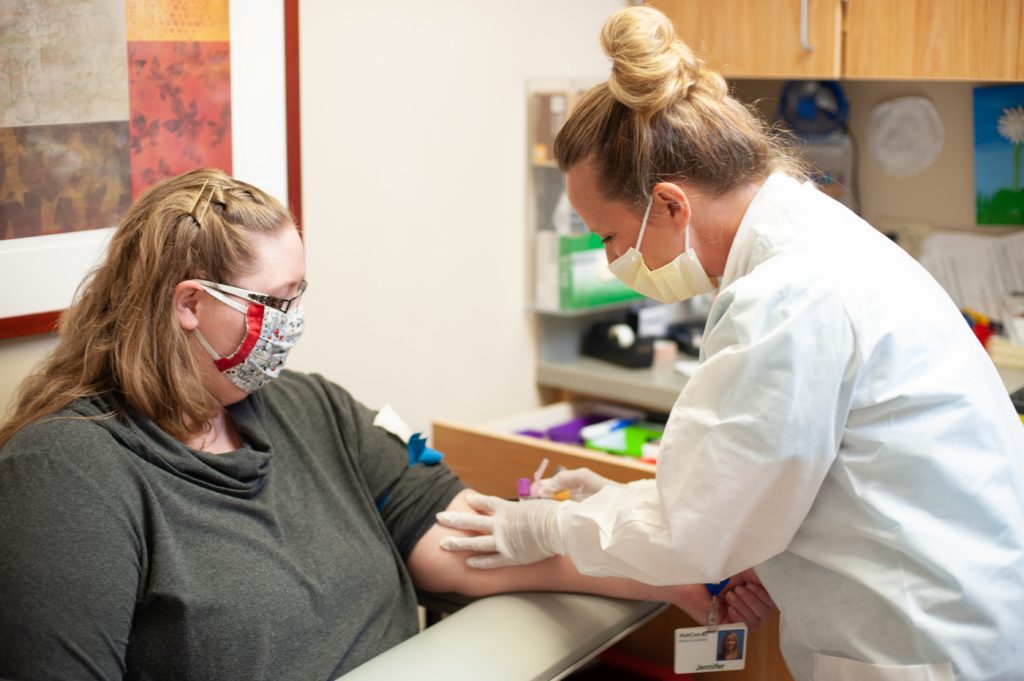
[(437, 570)]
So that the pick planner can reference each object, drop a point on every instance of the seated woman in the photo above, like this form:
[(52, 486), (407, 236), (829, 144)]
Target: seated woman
[(168, 511)]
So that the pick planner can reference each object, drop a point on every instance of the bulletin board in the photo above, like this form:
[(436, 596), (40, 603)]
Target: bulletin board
[(101, 99)]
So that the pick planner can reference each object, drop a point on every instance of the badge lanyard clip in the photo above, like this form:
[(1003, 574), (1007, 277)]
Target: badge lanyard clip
[(714, 590)]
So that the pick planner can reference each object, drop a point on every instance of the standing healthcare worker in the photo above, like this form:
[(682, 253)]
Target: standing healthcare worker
[(845, 433)]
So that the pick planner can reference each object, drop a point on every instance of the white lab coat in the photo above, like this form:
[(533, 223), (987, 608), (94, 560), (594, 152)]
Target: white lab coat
[(846, 434)]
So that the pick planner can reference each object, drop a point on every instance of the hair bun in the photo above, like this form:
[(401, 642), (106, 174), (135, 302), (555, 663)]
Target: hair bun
[(650, 66)]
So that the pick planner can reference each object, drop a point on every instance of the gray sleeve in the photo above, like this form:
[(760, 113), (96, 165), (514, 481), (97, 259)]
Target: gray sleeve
[(420, 493), (69, 556), (407, 496)]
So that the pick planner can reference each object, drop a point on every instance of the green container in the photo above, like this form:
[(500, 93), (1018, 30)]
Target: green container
[(584, 279), (628, 441)]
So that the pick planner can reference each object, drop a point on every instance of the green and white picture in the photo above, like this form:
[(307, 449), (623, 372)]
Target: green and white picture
[(998, 138)]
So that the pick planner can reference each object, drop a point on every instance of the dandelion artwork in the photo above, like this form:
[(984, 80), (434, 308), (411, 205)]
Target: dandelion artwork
[(998, 140)]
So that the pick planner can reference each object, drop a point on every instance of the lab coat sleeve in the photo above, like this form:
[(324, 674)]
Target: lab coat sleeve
[(746, 448)]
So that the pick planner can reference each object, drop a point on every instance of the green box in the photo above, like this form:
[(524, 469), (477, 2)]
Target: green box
[(628, 441), (584, 279)]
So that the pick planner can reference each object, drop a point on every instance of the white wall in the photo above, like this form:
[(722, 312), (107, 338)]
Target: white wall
[(414, 170)]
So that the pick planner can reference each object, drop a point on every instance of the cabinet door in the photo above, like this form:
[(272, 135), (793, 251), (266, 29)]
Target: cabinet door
[(761, 38), (941, 39)]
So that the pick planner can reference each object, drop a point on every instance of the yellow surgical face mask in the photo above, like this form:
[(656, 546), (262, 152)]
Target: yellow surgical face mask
[(676, 281)]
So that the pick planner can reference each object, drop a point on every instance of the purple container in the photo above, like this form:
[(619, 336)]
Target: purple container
[(569, 432)]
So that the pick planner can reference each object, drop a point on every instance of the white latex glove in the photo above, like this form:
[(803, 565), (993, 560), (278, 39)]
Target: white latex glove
[(513, 532), (581, 483)]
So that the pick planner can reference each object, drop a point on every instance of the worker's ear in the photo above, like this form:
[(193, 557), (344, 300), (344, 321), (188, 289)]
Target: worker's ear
[(670, 201), (187, 300)]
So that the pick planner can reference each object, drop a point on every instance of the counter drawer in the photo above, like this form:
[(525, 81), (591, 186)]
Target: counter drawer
[(489, 458)]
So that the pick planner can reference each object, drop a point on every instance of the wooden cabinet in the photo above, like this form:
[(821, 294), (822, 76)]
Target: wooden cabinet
[(762, 38), (940, 39), (856, 39), (489, 458)]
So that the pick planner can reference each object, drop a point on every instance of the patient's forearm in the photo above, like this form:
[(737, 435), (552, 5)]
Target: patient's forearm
[(435, 569)]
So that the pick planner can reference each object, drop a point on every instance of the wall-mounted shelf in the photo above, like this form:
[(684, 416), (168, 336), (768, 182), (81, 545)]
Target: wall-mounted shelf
[(645, 388)]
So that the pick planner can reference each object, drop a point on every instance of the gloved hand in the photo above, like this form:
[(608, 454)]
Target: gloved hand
[(513, 532), (580, 482)]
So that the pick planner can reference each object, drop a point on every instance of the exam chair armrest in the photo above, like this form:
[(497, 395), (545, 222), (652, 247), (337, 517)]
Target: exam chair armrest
[(511, 637), (443, 602)]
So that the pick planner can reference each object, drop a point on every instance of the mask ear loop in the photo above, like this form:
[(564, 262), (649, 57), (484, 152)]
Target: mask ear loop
[(206, 345), (643, 225)]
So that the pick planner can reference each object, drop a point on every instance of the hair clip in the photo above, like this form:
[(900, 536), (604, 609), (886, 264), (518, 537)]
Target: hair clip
[(199, 196)]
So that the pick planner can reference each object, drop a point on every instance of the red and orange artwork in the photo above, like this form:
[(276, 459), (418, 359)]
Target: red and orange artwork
[(179, 86), (180, 95)]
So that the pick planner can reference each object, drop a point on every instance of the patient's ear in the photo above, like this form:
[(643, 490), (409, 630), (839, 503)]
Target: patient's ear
[(186, 304)]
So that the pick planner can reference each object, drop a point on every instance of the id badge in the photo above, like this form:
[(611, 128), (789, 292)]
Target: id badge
[(718, 649)]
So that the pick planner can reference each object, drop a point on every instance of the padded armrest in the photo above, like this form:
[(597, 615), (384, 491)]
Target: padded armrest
[(511, 637)]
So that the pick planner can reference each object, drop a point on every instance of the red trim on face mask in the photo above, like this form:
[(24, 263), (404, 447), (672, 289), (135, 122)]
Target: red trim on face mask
[(253, 325)]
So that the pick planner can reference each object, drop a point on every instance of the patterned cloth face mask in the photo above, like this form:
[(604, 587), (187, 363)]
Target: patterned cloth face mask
[(269, 335), (680, 279)]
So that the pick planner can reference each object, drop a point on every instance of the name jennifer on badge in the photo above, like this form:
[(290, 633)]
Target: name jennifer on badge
[(711, 649)]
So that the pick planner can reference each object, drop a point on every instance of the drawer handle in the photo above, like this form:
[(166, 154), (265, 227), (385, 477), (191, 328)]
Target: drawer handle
[(803, 28)]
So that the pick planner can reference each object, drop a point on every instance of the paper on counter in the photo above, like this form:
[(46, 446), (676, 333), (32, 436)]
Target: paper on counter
[(687, 366), (978, 271)]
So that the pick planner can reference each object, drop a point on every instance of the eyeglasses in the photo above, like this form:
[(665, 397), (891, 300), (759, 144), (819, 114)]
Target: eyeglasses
[(282, 304)]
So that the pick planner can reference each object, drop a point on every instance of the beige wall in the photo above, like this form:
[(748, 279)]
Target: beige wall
[(17, 357), (414, 169)]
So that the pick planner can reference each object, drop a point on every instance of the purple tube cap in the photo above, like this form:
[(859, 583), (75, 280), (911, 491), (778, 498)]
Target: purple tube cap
[(523, 488)]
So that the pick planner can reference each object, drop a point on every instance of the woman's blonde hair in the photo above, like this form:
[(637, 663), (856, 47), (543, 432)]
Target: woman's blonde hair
[(664, 115), (121, 335)]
